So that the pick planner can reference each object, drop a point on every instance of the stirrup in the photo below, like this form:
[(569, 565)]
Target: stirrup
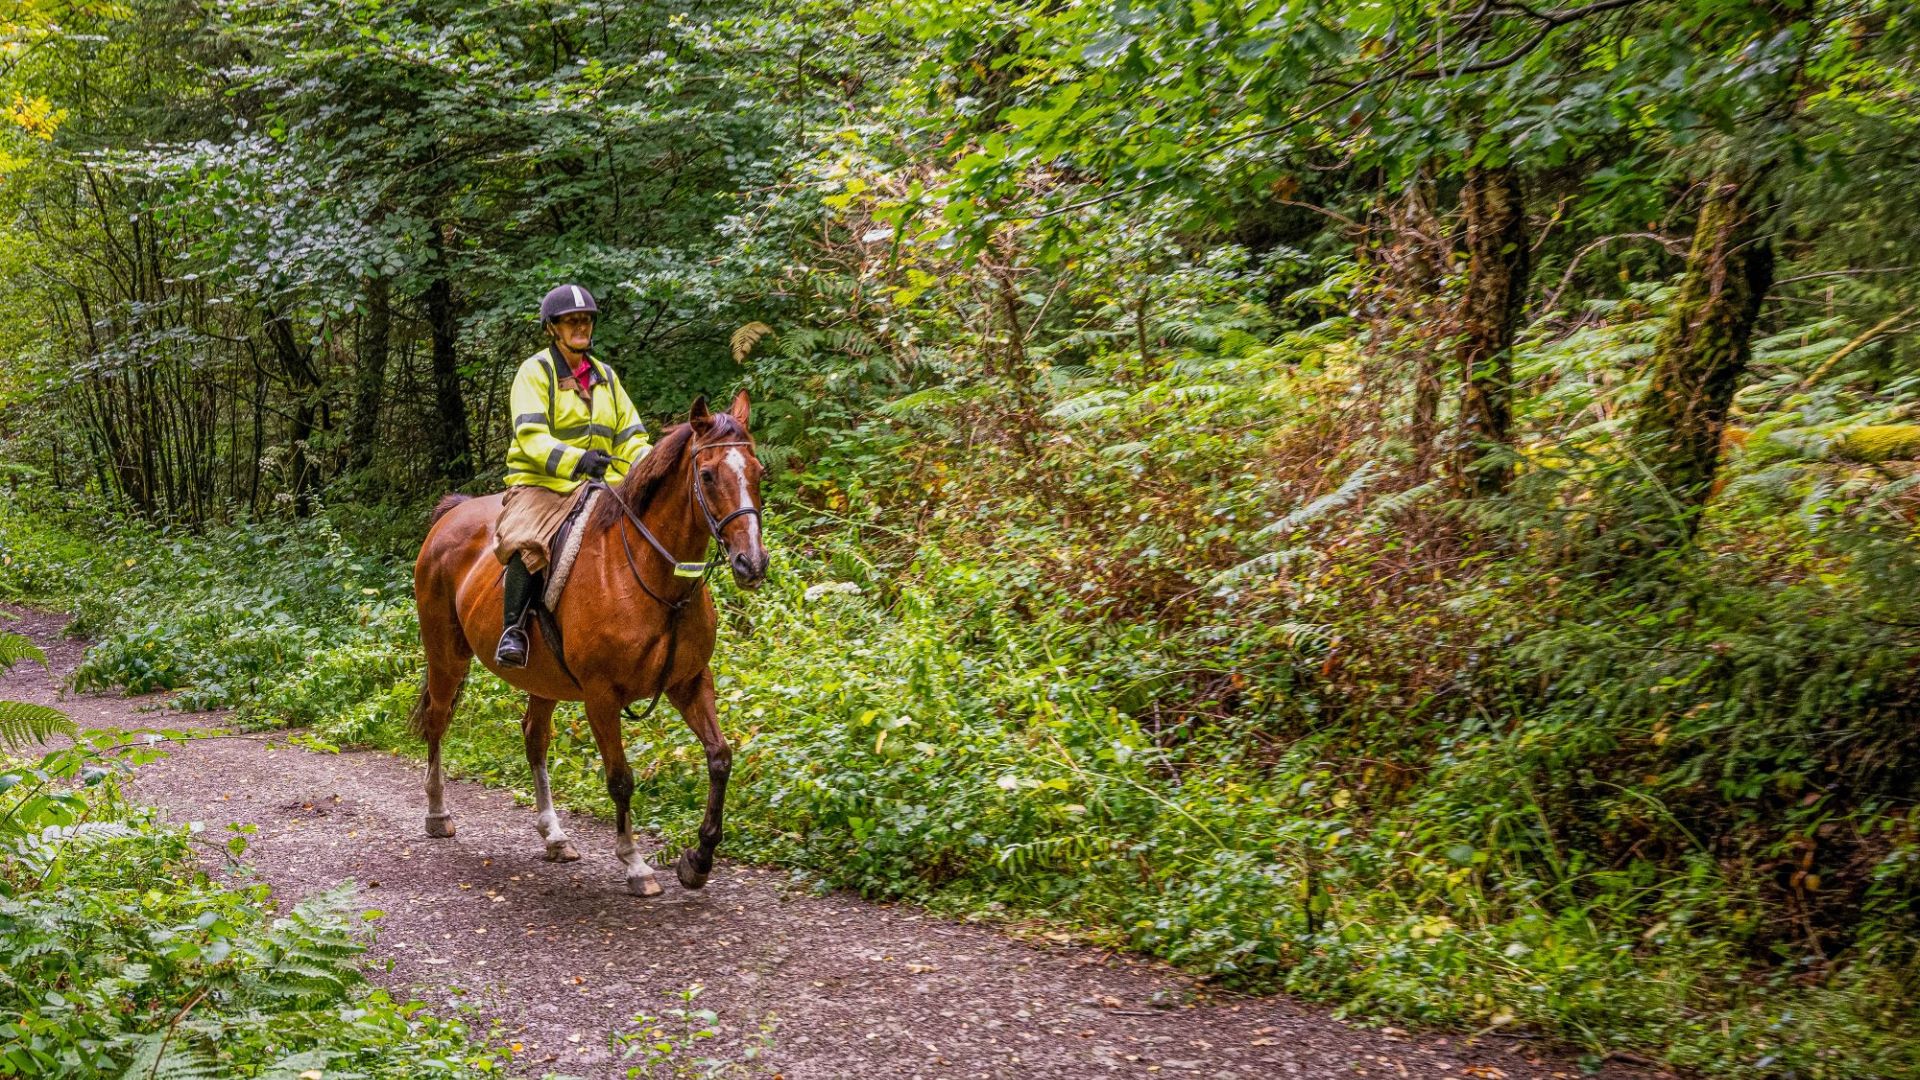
[(512, 652)]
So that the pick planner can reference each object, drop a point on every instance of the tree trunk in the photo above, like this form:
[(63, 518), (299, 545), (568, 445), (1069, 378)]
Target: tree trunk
[(1703, 348), (452, 455), (1413, 253), (303, 380), (370, 381), (1497, 269)]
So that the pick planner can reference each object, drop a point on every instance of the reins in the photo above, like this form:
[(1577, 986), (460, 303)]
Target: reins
[(698, 572)]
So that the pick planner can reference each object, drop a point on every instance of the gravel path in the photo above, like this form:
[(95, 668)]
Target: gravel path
[(562, 956)]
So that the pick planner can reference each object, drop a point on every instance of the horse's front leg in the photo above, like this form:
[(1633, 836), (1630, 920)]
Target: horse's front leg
[(604, 717), (537, 730), (695, 701)]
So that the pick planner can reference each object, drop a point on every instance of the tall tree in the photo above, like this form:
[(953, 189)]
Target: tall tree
[(1497, 268), (1703, 348)]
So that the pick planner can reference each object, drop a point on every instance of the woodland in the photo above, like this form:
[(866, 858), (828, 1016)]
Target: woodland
[(1412, 505)]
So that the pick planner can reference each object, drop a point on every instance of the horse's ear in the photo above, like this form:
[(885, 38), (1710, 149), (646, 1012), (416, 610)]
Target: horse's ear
[(700, 415), (740, 408)]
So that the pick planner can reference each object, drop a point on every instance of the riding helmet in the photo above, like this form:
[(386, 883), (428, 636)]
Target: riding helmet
[(565, 300)]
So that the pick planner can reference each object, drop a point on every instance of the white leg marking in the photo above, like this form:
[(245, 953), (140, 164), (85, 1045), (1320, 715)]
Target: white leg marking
[(549, 820)]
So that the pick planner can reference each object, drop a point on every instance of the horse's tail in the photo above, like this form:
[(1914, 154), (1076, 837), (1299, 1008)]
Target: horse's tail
[(446, 503), (417, 717)]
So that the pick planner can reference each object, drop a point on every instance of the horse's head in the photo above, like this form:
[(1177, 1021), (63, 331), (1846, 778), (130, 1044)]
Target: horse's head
[(726, 482)]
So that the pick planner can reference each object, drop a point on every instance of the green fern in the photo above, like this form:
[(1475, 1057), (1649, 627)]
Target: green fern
[(1091, 406), (1340, 497), (15, 648), (310, 957), (1266, 563), (1384, 508), (172, 1055), (39, 851), (935, 398), (23, 722)]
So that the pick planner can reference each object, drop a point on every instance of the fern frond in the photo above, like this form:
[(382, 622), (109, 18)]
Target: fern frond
[(774, 457), (294, 1066), (1776, 480), (1389, 505), (17, 647), (1894, 490), (310, 957), (22, 723), (1088, 406), (38, 851), (1260, 564), (169, 1055), (852, 342), (1339, 497), (934, 398), (1301, 637), (745, 338)]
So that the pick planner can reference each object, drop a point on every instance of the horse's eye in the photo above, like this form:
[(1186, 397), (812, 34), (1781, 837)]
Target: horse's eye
[(706, 476)]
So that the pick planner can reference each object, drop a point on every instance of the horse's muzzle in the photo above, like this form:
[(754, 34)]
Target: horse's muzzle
[(749, 568)]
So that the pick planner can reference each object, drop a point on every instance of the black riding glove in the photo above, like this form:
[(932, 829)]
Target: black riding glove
[(593, 463)]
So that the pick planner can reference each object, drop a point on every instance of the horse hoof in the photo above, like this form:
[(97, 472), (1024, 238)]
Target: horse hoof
[(683, 868), (564, 851), (440, 825), (644, 886)]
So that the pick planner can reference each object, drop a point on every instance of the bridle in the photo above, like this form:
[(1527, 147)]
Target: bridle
[(698, 572), (715, 528)]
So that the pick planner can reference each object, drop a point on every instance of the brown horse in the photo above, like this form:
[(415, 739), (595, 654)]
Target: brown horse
[(632, 628)]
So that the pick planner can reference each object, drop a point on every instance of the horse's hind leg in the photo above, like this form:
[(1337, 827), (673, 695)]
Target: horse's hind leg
[(604, 717), (538, 730), (696, 703), (430, 718)]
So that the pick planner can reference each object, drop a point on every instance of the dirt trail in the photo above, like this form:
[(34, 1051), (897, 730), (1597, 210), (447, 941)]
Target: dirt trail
[(562, 956)]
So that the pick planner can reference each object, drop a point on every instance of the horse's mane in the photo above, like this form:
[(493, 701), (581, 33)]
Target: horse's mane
[(644, 480)]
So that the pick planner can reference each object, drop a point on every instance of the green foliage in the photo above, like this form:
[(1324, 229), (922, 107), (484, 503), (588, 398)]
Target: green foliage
[(1279, 715), (1104, 354), (667, 1045), (23, 722), (121, 957)]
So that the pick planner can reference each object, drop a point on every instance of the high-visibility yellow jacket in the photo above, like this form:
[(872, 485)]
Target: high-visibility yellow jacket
[(553, 426)]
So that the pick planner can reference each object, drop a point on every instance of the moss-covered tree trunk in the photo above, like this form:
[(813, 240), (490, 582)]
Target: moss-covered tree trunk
[(1703, 348), (1497, 269), (1428, 319)]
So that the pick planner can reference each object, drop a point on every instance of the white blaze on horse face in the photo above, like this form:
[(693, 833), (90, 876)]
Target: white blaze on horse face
[(751, 522)]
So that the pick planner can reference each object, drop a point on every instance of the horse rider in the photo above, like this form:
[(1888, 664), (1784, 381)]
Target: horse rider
[(572, 422)]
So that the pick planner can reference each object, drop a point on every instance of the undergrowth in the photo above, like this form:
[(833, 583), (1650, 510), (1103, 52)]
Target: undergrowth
[(1229, 685), (121, 956)]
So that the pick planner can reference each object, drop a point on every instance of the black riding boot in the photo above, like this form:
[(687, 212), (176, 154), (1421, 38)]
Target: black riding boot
[(518, 589)]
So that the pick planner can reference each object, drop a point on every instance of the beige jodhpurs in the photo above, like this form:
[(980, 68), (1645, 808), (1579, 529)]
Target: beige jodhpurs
[(528, 520)]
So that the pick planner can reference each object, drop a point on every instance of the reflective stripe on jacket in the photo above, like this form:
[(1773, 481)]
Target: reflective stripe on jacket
[(554, 427)]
